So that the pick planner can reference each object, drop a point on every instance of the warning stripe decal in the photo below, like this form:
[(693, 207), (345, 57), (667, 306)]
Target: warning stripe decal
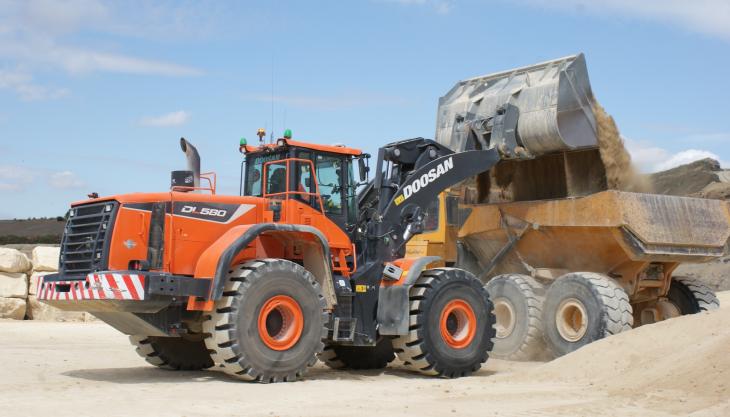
[(96, 286)]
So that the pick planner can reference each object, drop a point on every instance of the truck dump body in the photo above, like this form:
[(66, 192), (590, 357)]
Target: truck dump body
[(609, 232)]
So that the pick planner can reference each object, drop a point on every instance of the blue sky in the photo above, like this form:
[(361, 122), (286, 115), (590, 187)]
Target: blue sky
[(94, 95)]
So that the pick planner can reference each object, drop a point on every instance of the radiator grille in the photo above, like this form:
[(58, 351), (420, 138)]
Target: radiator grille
[(86, 238)]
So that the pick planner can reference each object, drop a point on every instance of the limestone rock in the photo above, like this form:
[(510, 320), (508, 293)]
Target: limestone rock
[(12, 308), (41, 311), (12, 260), (13, 285), (33, 285), (45, 258)]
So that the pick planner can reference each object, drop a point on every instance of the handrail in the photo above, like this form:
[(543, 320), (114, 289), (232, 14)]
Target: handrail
[(288, 192), (208, 176)]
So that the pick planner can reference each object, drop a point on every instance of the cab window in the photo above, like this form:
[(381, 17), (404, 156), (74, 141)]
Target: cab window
[(276, 178), (329, 178), (254, 172)]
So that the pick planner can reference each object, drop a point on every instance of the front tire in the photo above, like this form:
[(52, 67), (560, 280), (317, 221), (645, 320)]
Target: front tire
[(451, 324), (581, 308), (270, 323)]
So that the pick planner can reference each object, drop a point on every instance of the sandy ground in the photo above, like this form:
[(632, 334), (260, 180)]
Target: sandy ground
[(680, 367)]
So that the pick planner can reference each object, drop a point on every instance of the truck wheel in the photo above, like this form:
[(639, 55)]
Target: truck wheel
[(270, 323), (581, 308), (691, 296), (359, 357), (517, 301), (173, 353), (451, 324)]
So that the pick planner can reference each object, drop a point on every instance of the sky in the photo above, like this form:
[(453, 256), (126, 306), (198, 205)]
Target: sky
[(94, 94)]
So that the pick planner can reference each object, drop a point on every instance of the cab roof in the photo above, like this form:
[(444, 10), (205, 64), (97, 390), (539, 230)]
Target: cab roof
[(281, 142)]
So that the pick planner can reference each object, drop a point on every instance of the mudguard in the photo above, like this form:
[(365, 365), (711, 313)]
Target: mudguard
[(217, 259), (393, 301)]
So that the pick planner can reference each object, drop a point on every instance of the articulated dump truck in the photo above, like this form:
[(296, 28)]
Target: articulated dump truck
[(565, 260)]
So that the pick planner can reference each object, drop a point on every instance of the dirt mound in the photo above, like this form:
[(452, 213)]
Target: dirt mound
[(716, 190), (686, 356), (620, 172), (687, 180)]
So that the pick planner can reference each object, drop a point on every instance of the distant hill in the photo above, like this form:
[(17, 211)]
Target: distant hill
[(31, 231), (703, 178)]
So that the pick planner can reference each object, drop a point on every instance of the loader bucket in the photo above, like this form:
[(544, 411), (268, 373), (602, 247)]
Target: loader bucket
[(553, 98)]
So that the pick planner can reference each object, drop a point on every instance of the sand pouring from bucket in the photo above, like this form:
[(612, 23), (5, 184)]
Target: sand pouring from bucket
[(524, 112)]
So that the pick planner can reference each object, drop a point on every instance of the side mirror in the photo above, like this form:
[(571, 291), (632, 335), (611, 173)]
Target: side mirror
[(363, 169)]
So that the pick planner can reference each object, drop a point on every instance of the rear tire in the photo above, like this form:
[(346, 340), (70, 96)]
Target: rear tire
[(270, 323), (581, 308), (359, 357), (691, 296), (451, 324), (517, 301), (174, 353)]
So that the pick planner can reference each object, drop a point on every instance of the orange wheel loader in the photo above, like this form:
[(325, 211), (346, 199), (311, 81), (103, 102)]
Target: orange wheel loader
[(296, 268)]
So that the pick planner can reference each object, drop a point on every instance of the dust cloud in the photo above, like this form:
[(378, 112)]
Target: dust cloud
[(621, 174)]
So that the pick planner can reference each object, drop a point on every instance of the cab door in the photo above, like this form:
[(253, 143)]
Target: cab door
[(333, 181)]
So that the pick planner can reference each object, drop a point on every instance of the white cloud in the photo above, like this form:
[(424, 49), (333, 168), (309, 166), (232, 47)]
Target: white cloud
[(651, 158), (685, 157), (176, 118), (15, 178), (78, 60), (709, 17), (36, 35), (65, 180), (23, 85)]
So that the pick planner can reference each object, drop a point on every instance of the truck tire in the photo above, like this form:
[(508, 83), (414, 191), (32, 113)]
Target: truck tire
[(174, 353), (451, 324), (581, 308), (359, 357), (270, 323), (691, 296), (517, 301)]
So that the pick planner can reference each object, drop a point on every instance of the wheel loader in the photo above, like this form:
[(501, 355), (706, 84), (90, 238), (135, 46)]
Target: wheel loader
[(565, 260), (298, 267)]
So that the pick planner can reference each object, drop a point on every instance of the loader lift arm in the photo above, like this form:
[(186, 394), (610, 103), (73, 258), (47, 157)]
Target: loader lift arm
[(409, 174)]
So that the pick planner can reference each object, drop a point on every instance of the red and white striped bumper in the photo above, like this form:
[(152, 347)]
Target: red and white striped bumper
[(96, 286)]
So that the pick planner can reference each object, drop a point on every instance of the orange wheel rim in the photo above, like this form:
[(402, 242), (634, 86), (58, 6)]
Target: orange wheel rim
[(280, 322), (458, 324)]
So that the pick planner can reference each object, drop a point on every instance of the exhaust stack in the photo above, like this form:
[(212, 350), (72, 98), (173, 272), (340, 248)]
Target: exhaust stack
[(193, 158)]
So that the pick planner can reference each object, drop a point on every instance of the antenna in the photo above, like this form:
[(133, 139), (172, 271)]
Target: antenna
[(271, 134)]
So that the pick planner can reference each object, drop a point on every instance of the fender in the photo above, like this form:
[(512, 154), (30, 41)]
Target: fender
[(216, 260), (393, 297)]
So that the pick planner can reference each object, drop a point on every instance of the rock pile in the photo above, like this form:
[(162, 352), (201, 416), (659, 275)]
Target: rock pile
[(19, 281)]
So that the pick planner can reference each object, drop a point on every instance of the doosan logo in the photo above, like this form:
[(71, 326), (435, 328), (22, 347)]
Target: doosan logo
[(427, 178)]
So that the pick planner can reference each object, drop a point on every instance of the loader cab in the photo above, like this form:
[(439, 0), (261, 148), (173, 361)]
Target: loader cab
[(317, 175)]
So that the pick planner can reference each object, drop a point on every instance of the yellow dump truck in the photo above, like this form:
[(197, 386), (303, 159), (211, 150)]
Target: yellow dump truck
[(565, 260)]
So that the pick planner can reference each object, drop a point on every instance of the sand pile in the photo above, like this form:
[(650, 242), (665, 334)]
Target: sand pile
[(685, 357), (620, 172)]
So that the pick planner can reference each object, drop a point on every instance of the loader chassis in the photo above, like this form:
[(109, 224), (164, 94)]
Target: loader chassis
[(184, 264)]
